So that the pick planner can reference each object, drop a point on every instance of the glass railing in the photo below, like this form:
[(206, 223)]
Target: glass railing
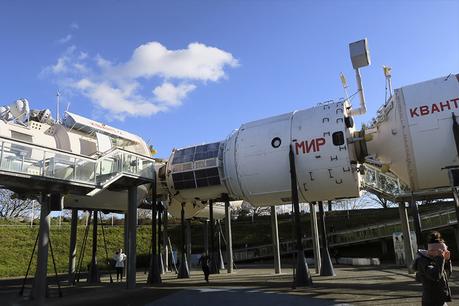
[(120, 162), (383, 182), (18, 156), (30, 159)]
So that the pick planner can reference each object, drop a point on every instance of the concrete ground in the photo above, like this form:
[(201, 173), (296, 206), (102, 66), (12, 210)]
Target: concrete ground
[(248, 285)]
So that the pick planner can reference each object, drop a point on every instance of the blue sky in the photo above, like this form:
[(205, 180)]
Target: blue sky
[(187, 72)]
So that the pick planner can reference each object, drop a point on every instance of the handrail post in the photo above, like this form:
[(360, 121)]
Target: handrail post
[(1, 154)]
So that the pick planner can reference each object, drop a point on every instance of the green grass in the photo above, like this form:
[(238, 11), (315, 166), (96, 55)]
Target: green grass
[(17, 239), (16, 244)]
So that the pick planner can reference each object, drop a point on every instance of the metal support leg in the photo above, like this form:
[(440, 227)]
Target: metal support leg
[(205, 234), (40, 283), (188, 242), (131, 229), (183, 269), (326, 266), (416, 222), (315, 237), (302, 277), (72, 251), (93, 276), (406, 236), (220, 263), (213, 260), (275, 237), (165, 241), (154, 276), (229, 239), (126, 242), (160, 234)]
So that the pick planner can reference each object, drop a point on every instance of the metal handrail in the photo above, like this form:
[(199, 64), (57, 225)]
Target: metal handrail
[(32, 145)]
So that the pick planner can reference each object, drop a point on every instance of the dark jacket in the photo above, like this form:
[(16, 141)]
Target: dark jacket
[(433, 273)]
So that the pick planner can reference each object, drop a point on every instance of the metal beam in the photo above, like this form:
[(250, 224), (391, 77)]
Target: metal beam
[(184, 272), (213, 262), (93, 275), (326, 265), (154, 275), (229, 239), (72, 251), (40, 282), (132, 235), (302, 277), (275, 238), (188, 242), (315, 237), (409, 256)]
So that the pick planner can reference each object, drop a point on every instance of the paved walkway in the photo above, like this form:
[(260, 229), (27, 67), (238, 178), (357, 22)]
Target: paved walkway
[(250, 285)]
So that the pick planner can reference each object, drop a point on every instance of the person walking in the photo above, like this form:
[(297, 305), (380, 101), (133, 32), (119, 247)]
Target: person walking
[(204, 261), (433, 267), (119, 258)]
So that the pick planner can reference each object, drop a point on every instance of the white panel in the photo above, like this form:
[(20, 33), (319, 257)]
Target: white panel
[(104, 143), (323, 169), (429, 108)]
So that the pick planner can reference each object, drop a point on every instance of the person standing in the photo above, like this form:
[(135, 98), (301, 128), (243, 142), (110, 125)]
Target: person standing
[(204, 260), (119, 258), (433, 267)]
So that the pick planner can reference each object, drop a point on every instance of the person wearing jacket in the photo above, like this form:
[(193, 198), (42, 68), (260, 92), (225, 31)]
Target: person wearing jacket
[(433, 267), (119, 259)]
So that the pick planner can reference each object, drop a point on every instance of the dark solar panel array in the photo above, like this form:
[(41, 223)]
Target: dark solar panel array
[(201, 152), (199, 178)]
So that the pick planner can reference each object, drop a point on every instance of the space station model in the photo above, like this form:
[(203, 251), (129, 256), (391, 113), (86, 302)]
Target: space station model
[(412, 137)]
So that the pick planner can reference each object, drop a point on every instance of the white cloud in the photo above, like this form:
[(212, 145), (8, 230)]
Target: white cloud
[(120, 88), (65, 39), (171, 94), (74, 26), (198, 62)]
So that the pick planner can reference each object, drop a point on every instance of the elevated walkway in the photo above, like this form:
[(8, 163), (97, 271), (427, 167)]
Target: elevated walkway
[(27, 167), (431, 221), (388, 186)]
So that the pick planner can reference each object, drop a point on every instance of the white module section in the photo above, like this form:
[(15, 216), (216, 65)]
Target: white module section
[(414, 133), (256, 157), (325, 162), (256, 162)]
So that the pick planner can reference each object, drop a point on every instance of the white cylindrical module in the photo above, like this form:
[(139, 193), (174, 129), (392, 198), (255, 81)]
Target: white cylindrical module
[(256, 157), (413, 133), (252, 164)]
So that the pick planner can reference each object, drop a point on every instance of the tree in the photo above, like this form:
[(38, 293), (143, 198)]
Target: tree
[(12, 207)]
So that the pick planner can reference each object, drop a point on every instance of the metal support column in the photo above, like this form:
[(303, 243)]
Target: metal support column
[(165, 241), (409, 256), (126, 241), (132, 231), (229, 239), (160, 234), (93, 275), (72, 250), (326, 265), (220, 263), (416, 222), (154, 276), (205, 234), (315, 237), (275, 238), (40, 283), (184, 272), (302, 276), (213, 262), (188, 242)]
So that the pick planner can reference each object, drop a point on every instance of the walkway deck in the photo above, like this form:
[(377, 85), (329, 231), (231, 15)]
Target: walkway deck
[(251, 285)]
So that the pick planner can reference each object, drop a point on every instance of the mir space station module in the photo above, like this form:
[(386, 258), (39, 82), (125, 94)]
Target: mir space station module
[(412, 136)]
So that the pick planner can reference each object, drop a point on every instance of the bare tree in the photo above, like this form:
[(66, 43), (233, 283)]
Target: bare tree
[(12, 207)]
